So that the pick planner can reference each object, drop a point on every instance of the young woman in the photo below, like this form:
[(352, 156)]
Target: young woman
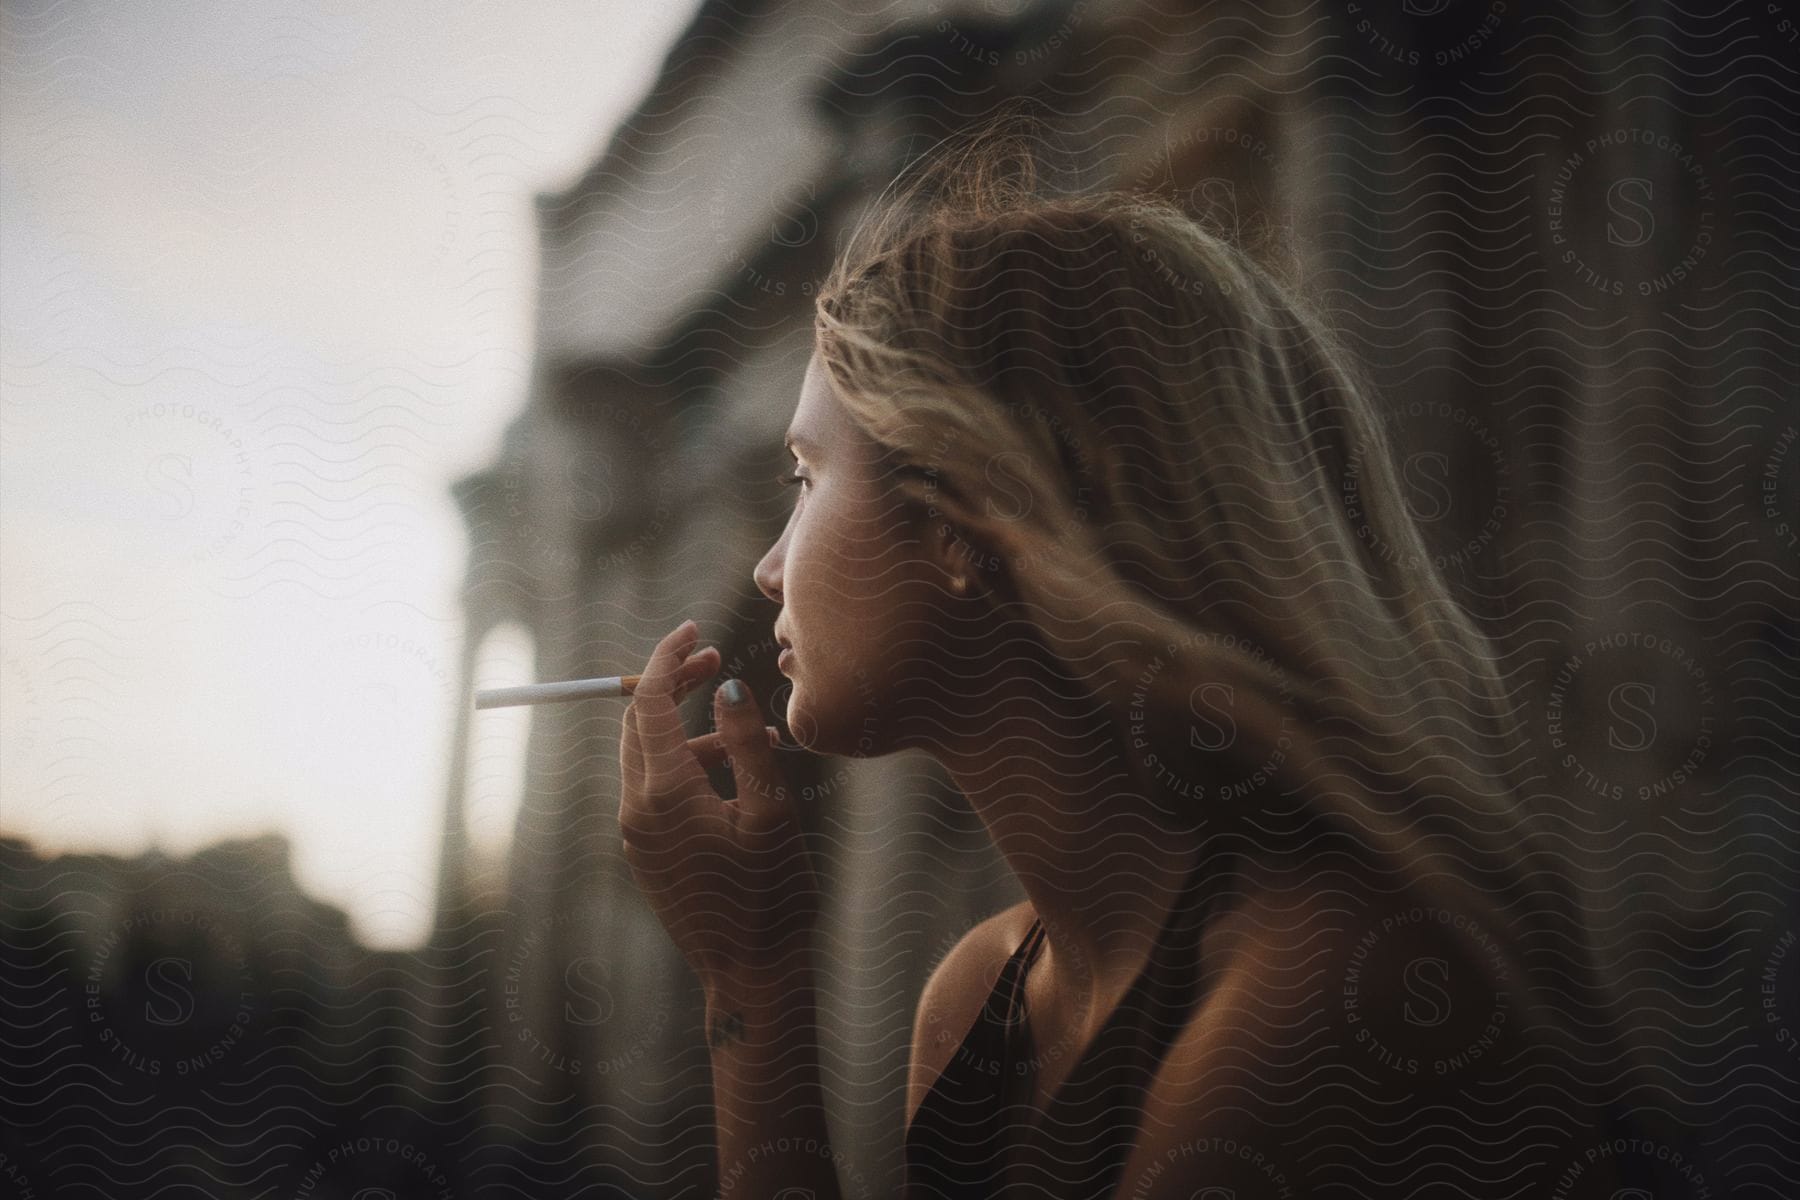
[(1095, 509)]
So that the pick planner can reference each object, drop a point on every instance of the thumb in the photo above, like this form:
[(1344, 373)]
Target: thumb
[(762, 794)]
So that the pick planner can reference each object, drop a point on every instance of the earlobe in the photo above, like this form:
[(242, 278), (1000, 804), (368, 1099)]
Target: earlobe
[(960, 564), (951, 551)]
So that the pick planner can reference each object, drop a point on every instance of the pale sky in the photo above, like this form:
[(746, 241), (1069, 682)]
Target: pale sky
[(266, 284)]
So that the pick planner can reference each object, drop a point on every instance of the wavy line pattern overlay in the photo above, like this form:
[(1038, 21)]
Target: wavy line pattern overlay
[(1519, 933)]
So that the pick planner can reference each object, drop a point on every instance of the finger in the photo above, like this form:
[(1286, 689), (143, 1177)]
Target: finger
[(701, 665), (711, 750), (698, 665), (631, 751), (660, 734), (760, 793)]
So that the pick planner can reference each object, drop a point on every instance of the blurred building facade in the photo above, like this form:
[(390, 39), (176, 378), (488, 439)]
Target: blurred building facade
[(1559, 288)]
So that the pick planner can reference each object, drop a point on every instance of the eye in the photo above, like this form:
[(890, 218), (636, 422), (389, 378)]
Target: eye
[(790, 479)]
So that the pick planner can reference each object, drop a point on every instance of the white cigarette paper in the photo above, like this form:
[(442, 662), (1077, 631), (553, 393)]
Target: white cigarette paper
[(550, 693)]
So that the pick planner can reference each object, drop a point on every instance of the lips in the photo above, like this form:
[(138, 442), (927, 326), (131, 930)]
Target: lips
[(784, 658)]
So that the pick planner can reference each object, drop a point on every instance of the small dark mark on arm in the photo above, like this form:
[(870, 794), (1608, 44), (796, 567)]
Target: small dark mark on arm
[(727, 1027)]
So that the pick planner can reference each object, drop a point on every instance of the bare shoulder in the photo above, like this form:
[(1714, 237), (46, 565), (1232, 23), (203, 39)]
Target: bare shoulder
[(953, 996), (1284, 1019), (1243, 1055)]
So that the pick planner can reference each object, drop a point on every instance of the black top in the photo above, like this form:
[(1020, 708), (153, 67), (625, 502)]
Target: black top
[(975, 1134)]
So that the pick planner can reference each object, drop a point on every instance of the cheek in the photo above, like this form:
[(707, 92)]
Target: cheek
[(820, 592), (801, 570), (851, 566), (825, 567)]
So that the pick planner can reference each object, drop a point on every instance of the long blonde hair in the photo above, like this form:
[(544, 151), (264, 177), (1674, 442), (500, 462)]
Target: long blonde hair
[(1198, 494)]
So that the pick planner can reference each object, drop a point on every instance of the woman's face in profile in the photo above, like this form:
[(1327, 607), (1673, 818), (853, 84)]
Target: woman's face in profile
[(854, 589)]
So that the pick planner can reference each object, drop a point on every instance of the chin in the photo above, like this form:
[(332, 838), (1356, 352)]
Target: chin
[(801, 722), (827, 728)]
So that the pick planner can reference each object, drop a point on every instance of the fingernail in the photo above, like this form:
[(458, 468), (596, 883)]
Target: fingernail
[(734, 691)]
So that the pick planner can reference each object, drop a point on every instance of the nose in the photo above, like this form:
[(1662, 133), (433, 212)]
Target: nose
[(768, 571)]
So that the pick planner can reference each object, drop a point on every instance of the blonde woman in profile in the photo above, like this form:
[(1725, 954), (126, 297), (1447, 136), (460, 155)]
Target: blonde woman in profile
[(1097, 508)]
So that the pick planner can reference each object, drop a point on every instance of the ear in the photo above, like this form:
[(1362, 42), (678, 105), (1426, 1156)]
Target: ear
[(966, 567)]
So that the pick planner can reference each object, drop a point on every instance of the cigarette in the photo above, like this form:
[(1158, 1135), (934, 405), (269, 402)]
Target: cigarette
[(551, 693)]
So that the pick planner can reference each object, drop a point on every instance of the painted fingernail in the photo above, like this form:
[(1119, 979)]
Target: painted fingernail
[(734, 692)]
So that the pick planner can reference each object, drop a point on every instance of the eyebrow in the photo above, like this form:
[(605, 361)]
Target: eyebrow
[(802, 441)]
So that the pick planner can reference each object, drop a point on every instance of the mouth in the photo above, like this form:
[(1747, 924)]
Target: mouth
[(785, 658)]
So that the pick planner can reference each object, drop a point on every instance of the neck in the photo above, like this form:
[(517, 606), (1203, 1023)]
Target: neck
[(1099, 864)]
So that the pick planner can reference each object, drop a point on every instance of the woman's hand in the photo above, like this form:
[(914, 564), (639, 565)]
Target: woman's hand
[(731, 880)]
